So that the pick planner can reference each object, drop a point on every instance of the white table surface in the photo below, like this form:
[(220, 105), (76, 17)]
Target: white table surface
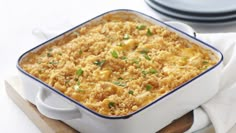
[(19, 17)]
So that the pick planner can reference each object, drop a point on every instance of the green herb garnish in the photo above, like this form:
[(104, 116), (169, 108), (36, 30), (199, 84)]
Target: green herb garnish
[(204, 68), (144, 51), (126, 37), (99, 63), (80, 90), (114, 54), (148, 87), (53, 62), (146, 57), (123, 57), (120, 78), (80, 52), (141, 27), (152, 71), (136, 61), (119, 83), (149, 32), (131, 92), (144, 73), (78, 83), (185, 58), (205, 62), (49, 55), (79, 72), (111, 104)]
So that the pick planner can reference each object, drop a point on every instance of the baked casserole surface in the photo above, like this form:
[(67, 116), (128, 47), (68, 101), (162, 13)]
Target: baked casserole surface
[(119, 64)]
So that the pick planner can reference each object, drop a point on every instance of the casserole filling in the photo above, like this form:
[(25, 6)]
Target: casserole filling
[(119, 64)]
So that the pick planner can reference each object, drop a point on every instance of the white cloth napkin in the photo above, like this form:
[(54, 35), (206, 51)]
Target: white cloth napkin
[(220, 110)]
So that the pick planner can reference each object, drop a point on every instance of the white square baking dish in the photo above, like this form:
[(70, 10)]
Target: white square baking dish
[(148, 119)]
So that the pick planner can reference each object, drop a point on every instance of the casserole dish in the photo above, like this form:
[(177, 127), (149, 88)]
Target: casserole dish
[(157, 113)]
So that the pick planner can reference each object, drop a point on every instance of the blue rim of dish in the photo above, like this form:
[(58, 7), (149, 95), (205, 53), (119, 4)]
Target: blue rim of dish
[(195, 13), (143, 108), (191, 20)]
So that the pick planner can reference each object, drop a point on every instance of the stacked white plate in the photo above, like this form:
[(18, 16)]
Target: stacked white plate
[(197, 11)]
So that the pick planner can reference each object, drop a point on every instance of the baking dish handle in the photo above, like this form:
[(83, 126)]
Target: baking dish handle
[(183, 27), (61, 113)]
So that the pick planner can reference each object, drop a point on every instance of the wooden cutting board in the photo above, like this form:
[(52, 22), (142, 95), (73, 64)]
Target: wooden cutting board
[(46, 125)]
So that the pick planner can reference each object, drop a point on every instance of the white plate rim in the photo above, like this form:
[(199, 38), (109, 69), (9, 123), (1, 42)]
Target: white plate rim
[(208, 19), (188, 6)]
